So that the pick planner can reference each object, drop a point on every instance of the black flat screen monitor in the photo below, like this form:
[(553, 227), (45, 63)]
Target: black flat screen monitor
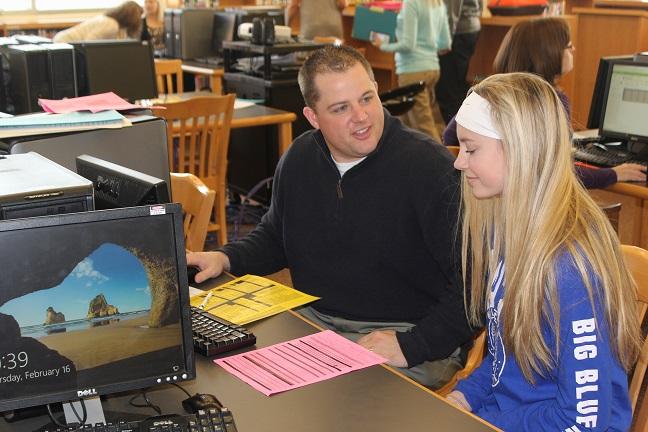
[(123, 67), (94, 303), (598, 95), (117, 186), (625, 107), (224, 29)]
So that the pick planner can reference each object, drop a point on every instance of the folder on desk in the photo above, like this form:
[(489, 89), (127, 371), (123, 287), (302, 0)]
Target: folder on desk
[(368, 19)]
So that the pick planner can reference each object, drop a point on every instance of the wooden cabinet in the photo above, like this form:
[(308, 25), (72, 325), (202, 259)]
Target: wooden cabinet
[(602, 32)]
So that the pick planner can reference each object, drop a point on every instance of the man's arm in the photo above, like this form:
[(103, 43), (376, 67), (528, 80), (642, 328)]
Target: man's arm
[(436, 185)]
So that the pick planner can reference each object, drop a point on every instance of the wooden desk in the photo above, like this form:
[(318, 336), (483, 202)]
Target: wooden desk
[(374, 399), (251, 116), (214, 74), (633, 221)]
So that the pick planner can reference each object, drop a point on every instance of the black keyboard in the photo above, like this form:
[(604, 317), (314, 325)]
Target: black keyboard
[(594, 155), (212, 420), (213, 335)]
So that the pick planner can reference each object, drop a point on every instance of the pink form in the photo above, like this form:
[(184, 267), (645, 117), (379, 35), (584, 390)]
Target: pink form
[(299, 362), (92, 103)]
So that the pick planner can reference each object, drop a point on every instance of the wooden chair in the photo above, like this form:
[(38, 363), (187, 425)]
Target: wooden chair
[(637, 260), (475, 357), (454, 150), (165, 70), (198, 131), (197, 203)]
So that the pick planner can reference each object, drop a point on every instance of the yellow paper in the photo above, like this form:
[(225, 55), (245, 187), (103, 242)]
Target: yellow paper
[(250, 298)]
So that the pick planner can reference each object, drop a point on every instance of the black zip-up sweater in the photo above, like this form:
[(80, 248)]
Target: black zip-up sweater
[(375, 245)]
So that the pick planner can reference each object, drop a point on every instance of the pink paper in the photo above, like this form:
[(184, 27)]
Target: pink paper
[(299, 362), (92, 103)]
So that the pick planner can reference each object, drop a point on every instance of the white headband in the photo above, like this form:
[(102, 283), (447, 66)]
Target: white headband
[(475, 115)]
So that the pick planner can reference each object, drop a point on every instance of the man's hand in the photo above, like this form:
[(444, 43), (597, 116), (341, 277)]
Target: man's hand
[(630, 172), (385, 344), (458, 399), (211, 264)]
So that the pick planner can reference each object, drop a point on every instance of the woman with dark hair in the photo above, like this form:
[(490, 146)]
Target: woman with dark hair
[(543, 47), (121, 22)]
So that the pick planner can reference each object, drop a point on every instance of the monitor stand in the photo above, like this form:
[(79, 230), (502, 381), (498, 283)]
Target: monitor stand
[(95, 413)]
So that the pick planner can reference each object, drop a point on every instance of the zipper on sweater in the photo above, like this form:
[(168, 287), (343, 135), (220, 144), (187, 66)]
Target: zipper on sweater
[(339, 189)]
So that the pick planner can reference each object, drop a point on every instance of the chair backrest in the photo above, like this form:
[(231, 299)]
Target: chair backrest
[(637, 260), (165, 70), (454, 150), (198, 132), (401, 99), (197, 202), (474, 359)]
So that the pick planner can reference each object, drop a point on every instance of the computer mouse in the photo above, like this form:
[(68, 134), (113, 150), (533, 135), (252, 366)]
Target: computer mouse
[(201, 401), (191, 274)]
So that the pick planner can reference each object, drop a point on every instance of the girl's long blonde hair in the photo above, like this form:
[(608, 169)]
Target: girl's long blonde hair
[(542, 213)]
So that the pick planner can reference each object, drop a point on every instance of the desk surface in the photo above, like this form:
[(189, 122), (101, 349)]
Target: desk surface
[(254, 115), (373, 399)]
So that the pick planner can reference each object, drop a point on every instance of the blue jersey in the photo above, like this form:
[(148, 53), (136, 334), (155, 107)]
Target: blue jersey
[(587, 390)]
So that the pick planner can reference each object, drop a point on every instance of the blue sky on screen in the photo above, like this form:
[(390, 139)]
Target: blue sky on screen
[(110, 270)]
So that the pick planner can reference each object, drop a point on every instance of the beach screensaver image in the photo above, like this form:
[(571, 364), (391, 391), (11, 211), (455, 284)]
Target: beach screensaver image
[(100, 317)]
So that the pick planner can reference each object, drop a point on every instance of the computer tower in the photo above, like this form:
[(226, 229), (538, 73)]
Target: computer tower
[(60, 57), (30, 77), (191, 33), (169, 50), (6, 102), (32, 185), (142, 147)]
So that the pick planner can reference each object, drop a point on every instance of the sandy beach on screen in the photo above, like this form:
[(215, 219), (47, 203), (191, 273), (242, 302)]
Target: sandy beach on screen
[(105, 344)]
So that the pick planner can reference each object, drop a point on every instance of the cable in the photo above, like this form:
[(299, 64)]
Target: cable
[(53, 418), (76, 414), (148, 403), (181, 388)]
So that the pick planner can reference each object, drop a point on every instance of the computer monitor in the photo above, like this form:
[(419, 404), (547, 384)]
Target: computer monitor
[(117, 186), (602, 75), (625, 107), (124, 67), (93, 303), (224, 29)]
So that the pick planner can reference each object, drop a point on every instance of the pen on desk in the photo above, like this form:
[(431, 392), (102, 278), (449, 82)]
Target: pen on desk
[(205, 301)]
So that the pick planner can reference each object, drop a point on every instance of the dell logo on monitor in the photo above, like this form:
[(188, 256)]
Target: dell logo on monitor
[(86, 392)]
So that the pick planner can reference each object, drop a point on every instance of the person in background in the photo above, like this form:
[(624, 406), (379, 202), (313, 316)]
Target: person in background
[(547, 272), (543, 47), (153, 23), (364, 214), (421, 32), (465, 25), (316, 17), (121, 22)]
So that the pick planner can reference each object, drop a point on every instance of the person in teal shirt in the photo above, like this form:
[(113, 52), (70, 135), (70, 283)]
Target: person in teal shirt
[(421, 32)]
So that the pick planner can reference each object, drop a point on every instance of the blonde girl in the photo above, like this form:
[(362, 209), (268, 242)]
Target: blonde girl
[(545, 266)]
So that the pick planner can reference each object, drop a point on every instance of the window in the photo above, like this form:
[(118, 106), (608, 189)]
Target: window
[(15, 5), (59, 5)]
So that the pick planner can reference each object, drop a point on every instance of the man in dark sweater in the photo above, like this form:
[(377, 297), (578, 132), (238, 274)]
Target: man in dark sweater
[(363, 214)]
